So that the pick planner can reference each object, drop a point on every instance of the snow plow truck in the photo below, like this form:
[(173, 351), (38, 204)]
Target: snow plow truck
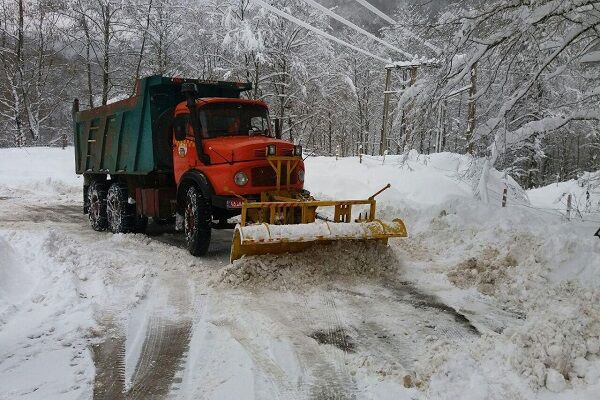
[(196, 151)]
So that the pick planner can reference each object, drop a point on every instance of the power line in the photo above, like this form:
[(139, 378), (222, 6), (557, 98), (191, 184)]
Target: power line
[(383, 16), (317, 31), (376, 11), (357, 28)]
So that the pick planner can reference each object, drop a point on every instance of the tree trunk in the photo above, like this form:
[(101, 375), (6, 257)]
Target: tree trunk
[(472, 110), (106, 54), (142, 47), (88, 61)]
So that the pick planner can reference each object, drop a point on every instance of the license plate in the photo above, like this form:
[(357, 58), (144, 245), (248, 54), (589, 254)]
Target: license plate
[(234, 203)]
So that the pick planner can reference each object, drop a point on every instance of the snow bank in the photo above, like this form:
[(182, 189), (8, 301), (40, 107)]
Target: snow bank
[(585, 196), (15, 280), (562, 342), (537, 267), (311, 267), (38, 169), (536, 273), (58, 306), (418, 181), (533, 274)]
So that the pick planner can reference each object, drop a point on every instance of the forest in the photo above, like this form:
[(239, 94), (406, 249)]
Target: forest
[(515, 83)]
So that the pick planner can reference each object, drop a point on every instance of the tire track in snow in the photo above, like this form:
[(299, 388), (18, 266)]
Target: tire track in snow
[(323, 375), (277, 378), (109, 360), (325, 380), (406, 292), (166, 336), (165, 347), (343, 386)]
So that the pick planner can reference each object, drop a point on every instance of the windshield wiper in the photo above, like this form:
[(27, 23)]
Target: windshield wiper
[(220, 155)]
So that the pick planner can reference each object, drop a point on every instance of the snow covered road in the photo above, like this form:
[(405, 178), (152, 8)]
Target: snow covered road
[(95, 315), (162, 329)]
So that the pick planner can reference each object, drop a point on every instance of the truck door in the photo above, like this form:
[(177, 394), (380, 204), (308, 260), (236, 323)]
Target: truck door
[(185, 156)]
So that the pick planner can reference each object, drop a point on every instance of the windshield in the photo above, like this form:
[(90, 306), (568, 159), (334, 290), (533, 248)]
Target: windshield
[(234, 120)]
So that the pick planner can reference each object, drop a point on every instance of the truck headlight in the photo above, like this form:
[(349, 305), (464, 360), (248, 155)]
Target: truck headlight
[(298, 151), (240, 178), (271, 150), (301, 175)]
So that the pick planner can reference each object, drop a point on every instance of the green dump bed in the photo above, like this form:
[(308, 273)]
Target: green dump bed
[(133, 136)]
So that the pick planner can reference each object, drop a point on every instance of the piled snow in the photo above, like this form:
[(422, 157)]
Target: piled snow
[(562, 342), (541, 268), (526, 277), (418, 181), (48, 321), (537, 274), (585, 196), (40, 169), (312, 267), (483, 272), (15, 280)]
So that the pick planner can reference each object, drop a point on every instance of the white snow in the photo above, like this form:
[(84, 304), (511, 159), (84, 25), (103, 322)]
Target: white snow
[(49, 170), (418, 181), (15, 280), (523, 254), (555, 381), (523, 275)]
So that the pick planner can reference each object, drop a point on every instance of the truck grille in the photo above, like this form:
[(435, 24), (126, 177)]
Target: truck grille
[(260, 153), (265, 176)]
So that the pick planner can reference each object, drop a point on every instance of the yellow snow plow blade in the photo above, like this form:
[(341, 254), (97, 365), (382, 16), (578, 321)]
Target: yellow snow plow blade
[(289, 224), (277, 239)]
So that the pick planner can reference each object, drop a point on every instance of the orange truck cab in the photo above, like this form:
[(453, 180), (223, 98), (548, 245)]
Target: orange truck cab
[(221, 147), (181, 147)]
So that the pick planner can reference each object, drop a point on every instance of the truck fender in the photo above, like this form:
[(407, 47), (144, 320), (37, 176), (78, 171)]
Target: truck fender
[(193, 177)]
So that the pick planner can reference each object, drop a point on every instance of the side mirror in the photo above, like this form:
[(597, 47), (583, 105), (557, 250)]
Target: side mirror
[(189, 88)]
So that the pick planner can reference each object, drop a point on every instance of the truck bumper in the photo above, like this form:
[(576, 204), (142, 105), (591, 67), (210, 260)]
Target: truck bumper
[(230, 202)]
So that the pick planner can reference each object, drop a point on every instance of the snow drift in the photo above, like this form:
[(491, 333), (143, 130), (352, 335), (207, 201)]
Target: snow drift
[(15, 280), (524, 275), (38, 169)]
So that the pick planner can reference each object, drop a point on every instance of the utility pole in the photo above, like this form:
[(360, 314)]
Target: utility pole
[(407, 111), (405, 67), (386, 108), (440, 135)]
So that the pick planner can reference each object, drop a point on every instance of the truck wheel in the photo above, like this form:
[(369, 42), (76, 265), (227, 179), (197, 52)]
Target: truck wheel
[(120, 214), (197, 221), (96, 198)]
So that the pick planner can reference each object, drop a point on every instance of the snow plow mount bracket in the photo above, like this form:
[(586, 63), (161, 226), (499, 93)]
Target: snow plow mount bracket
[(272, 209), (276, 162), (287, 223)]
